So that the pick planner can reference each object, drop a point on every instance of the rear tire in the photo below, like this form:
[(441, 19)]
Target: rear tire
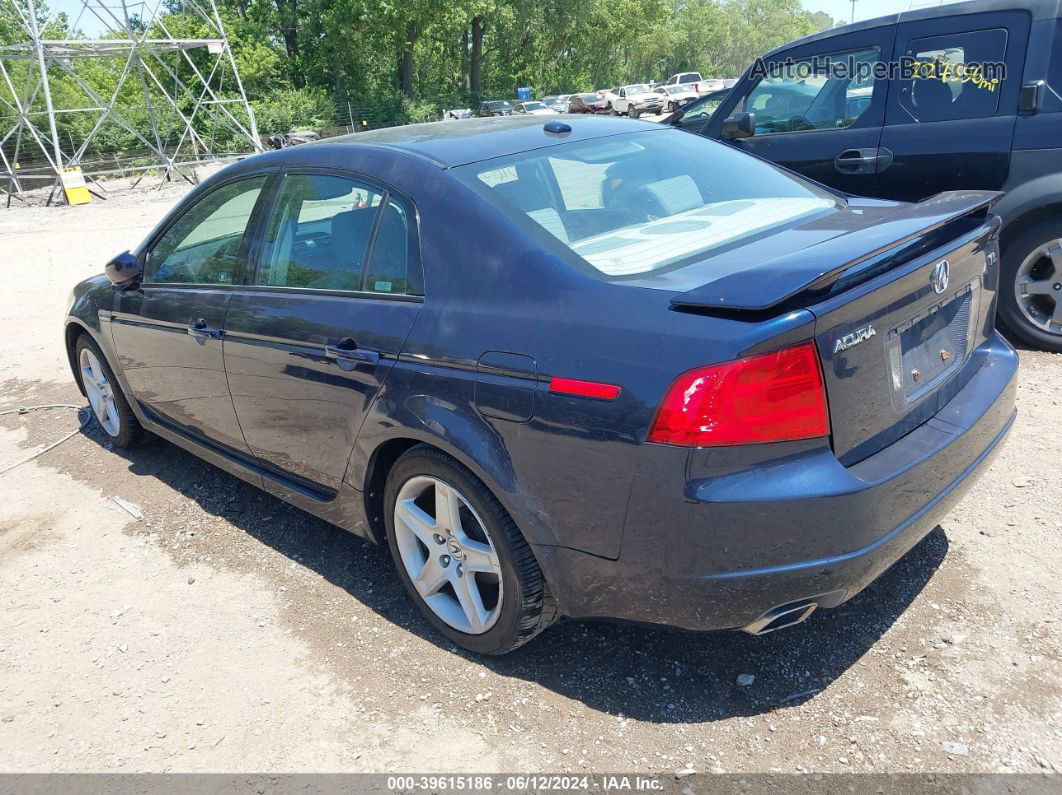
[(110, 408), (481, 549), (1030, 286)]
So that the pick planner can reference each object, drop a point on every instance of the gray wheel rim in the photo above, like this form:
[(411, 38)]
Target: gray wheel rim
[(100, 392), (448, 554), (1038, 287)]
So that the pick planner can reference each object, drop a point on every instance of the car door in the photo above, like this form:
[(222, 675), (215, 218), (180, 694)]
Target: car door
[(309, 339), (168, 333), (951, 113), (818, 108), (694, 118)]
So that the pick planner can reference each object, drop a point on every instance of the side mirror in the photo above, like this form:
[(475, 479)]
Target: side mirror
[(740, 125), (124, 271)]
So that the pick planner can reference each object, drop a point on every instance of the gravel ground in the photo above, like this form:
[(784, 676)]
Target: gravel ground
[(224, 630)]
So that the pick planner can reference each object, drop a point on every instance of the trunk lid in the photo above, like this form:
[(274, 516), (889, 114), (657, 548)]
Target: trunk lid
[(901, 299)]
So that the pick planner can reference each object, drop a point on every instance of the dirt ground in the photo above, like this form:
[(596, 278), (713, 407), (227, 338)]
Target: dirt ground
[(227, 631)]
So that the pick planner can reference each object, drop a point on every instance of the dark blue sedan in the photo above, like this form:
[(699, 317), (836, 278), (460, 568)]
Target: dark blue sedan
[(587, 368)]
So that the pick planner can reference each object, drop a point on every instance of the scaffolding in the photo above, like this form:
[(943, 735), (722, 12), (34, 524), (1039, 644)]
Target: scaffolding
[(191, 94)]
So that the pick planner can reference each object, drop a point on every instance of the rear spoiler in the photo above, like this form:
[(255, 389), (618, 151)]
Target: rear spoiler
[(774, 282)]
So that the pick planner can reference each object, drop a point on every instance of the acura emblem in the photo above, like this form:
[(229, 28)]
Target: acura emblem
[(939, 279)]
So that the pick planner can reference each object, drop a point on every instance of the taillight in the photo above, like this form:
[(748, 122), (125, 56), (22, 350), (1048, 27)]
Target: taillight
[(772, 397)]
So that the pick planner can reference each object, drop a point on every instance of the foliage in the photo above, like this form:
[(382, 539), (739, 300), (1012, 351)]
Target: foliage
[(363, 63), (286, 109)]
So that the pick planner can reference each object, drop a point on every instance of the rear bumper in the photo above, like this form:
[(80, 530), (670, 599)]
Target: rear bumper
[(720, 551)]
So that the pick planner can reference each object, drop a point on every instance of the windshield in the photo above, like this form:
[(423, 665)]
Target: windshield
[(498, 105), (632, 204), (637, 88), (590, 97), (534, 106), (675, 89)]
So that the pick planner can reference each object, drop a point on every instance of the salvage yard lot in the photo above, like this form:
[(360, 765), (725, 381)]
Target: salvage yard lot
[(224, 630)]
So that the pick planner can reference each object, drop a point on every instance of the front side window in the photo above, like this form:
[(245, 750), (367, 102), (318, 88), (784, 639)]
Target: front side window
[(956, 76), (321, 231), (203, 246), (629, 205), (814, 94)]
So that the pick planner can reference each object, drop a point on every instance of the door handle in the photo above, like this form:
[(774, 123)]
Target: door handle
[(348, 355), (863, 161), (201, 332)]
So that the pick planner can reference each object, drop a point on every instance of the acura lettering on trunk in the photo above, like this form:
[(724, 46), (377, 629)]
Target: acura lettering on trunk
[(592, 368)]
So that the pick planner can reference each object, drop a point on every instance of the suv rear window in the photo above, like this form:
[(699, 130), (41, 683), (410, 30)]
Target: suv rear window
[(633, 204), (954, 77)]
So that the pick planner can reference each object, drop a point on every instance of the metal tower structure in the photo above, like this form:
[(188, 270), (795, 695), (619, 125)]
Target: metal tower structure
[(187, 90)]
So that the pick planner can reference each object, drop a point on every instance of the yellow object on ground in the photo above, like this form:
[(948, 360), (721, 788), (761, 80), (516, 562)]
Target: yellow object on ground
[(74, 186)]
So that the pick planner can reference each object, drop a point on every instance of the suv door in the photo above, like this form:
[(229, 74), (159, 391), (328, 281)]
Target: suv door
[(950, 120), (818, 109), (309, 339), (168, 333)]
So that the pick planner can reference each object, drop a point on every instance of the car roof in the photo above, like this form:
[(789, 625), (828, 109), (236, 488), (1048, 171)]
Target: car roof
[(457, 142), (1040, 9)]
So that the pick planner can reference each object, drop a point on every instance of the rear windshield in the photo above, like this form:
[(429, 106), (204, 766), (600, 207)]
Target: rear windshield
[(498, 105), (637, 203), (691, 78)]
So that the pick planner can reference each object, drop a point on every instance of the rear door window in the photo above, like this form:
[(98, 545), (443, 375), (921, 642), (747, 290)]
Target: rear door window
[(335, 233), (956, 76)]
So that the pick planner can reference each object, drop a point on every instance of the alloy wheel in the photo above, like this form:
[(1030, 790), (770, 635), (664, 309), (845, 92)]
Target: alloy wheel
[(1038, 287), (100, 392), (448, 554)]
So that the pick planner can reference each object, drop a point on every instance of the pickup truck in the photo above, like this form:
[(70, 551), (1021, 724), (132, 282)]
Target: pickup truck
[(635, 99)]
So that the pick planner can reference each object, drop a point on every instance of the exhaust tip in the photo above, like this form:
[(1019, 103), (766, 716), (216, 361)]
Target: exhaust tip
[(781, 617)]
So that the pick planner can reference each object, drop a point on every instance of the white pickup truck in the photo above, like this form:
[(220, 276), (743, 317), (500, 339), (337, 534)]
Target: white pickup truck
[(633, 100)]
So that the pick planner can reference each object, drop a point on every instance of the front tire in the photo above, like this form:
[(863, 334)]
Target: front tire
[(109, 404), (1030, 289), (461, 557), (632, 112)]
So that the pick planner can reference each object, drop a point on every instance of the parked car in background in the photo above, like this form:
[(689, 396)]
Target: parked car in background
[(495, 107), (676, 96), (635, 99), (610, 95), (649, 334), (557, 103), (948, 126), (588, 103), (533, 108), (694, 80)]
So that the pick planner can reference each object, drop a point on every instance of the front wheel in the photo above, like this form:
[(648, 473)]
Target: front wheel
[(671, 107), (632, 112), (1030, 290), (105, 395), (461, 557)]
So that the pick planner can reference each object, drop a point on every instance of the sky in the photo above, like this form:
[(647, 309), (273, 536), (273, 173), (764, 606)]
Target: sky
[(864, 9)]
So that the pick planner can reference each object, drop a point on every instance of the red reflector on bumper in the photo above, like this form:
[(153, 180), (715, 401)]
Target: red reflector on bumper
[(587, 389)]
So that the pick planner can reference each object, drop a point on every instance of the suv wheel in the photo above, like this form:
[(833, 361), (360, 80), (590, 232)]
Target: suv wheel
[(105, 395), (461, 557), (1030, 294)]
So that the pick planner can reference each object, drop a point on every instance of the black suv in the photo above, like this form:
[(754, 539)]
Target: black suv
[(951, 120), (495, 107)]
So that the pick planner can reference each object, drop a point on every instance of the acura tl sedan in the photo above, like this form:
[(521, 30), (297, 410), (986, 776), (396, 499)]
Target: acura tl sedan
[(592, 368)]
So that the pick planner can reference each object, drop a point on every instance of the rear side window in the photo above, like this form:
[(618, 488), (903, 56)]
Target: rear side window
[(807, 95), (632, 204), (334, 233), (956, 76)]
